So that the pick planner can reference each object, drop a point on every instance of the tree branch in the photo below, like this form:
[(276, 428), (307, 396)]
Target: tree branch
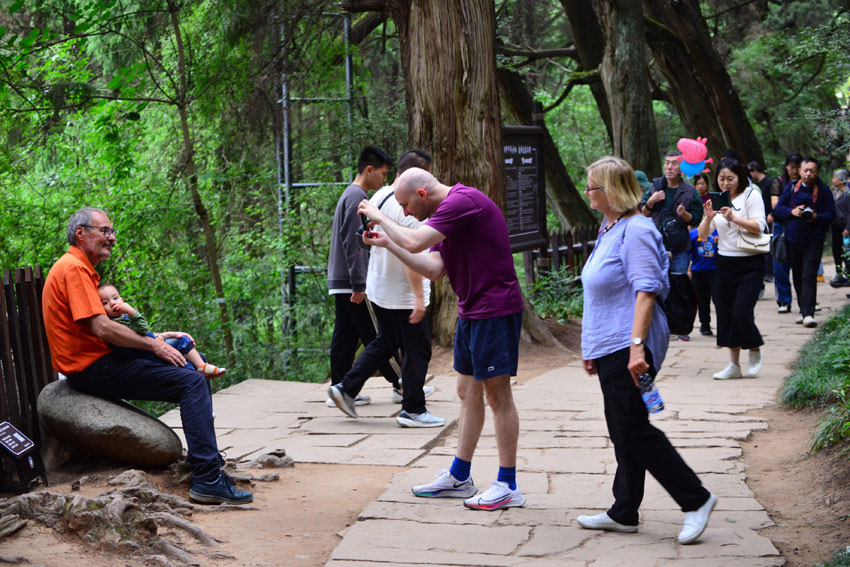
[(810, 79), (570, 52), (576, 78), (355, 6), (729, 9)]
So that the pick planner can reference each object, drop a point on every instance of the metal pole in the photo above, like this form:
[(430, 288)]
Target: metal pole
[(349, 91)]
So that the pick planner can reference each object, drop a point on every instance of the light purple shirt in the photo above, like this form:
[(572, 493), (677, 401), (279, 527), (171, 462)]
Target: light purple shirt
[(627, 259), (477, 254)]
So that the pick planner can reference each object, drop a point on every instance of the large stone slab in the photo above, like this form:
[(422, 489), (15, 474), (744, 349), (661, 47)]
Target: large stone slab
[(111, 429)]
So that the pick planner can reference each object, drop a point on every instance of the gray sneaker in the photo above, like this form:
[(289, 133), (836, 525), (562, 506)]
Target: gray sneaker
[(424, 419), (398, 394), (360, 400), (342, 400)]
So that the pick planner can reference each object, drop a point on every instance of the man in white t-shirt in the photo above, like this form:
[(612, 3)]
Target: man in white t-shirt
[(399, 298)]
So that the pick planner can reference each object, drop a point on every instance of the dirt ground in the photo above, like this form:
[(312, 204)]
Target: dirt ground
[(298, 520), (807, 496)]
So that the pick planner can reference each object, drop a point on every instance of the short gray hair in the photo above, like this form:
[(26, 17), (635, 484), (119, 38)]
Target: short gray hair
[(842, 174), (80, 217)]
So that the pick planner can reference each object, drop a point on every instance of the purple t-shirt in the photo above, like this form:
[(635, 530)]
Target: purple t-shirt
[(477, 254)]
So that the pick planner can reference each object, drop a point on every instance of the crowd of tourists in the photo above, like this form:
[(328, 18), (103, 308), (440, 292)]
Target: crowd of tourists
[(658, 238)]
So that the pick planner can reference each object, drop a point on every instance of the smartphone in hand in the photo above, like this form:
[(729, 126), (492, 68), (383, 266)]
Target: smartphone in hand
[(720, 200)]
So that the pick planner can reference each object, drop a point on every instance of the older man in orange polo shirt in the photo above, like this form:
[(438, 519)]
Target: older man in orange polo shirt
[(80, 335)]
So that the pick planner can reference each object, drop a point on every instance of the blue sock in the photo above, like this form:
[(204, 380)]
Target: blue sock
[(460, 469), (508, 475)]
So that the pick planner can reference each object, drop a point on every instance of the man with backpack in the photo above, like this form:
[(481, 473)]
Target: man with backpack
[(673, 205)]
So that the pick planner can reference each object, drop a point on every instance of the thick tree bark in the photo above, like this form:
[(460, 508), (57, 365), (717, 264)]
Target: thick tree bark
[(590, 43), (449, 59), (700, 87), (561, 192), (624, 71)]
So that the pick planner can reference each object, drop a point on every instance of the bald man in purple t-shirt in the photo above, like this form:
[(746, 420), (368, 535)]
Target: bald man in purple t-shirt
[(468, 240)]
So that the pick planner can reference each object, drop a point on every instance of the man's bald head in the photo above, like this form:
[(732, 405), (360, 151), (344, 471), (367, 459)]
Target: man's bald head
[(416, 178), (419, 193)]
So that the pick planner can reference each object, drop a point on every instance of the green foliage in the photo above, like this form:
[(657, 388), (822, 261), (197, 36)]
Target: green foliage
[(557, 295), (821, 378)]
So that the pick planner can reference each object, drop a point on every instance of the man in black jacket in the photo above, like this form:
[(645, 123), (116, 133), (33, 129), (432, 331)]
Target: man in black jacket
[(673, 205), (807, 209)]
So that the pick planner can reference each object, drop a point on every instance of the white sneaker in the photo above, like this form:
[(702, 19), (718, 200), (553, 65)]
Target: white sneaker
[(817, 307), (784, 308), (809, 321), (398, 394), (499, 495), (604, 522), (424, 419), (446, 486), (799, 320), (731, 371), (696, 521), (360, 400), (755, 362)]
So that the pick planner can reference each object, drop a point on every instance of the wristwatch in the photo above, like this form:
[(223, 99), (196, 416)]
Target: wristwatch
[(637, 341)]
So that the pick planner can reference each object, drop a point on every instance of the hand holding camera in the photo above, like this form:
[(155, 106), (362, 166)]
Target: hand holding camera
[(804, 212)]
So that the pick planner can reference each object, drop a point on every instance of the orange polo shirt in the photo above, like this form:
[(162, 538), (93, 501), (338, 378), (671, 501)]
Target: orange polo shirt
[(69, 297)]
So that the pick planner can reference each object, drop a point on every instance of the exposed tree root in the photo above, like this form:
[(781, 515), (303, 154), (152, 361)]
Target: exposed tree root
[(123, 519)]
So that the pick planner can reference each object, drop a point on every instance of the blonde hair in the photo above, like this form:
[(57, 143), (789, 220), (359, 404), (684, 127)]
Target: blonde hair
[(618, 179)]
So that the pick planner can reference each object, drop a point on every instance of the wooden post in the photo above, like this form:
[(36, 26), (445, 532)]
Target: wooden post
[(528, 265), (556, 251)]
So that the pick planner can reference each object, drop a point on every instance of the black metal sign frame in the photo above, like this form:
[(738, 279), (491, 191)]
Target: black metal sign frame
[(525, 186)]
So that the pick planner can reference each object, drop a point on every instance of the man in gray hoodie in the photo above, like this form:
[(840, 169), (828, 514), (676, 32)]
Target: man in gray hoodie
[(347, 265)]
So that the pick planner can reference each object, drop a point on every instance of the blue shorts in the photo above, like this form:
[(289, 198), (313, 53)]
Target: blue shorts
[(485, 348)]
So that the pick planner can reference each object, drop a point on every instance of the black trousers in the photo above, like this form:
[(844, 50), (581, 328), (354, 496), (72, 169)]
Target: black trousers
[(352, 325), (702, 285), (841, 264), (395, 332), (805, 260), (639, 446), (737, 282)]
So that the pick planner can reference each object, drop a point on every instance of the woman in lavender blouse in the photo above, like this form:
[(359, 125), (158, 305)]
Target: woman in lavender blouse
[(624, 334)]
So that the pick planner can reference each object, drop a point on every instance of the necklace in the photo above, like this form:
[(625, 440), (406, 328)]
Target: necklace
[(610, 226)]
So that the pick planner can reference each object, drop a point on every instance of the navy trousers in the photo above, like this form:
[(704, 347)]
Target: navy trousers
[(146, 377)]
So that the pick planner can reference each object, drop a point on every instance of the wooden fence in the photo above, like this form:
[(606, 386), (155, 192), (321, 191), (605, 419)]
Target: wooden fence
[(24, 355), (566, 249)]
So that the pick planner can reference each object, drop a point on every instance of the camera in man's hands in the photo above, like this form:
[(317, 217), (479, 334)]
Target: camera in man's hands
[(808, 214)]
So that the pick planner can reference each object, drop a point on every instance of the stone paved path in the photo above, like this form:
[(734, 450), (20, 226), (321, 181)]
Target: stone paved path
[(566, 462)]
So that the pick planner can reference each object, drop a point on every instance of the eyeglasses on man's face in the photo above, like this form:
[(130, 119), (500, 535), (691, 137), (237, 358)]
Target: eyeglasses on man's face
[(107, 231)]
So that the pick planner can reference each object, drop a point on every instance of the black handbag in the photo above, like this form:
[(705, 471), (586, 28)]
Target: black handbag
[(779, 248)]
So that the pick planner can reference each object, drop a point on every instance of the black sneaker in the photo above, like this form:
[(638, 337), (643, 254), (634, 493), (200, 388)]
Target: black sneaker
[(342, 400), (705, 330), (222, 491)]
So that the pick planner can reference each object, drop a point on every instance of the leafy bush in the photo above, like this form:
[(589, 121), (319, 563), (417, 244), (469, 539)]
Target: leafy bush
[(557, 295)]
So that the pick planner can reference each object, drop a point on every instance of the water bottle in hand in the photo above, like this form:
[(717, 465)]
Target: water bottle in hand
[(649, 393)]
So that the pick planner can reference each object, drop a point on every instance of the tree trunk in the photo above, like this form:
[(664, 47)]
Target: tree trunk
[(561, 192), (590, 44), (700, 87), (448, 56), (624, 71), (191, 177)]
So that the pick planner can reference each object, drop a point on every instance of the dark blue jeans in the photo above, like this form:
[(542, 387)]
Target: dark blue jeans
[(781, 274), (145, 377)]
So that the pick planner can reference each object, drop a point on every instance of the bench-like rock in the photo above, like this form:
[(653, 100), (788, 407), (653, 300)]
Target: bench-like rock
[(111, 429)]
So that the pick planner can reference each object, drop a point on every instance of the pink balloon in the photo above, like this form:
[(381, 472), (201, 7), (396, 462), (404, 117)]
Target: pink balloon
[(693, 151)]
